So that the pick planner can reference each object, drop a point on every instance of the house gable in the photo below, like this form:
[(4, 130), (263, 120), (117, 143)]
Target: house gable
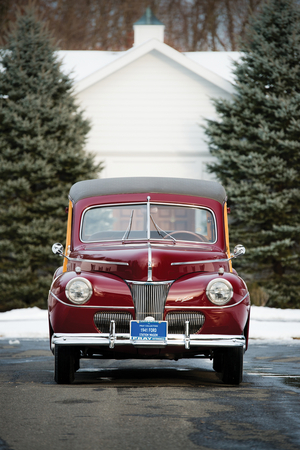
[(147, 116), (137, 52)]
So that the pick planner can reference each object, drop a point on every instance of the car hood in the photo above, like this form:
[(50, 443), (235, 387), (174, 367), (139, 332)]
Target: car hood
[(132, 261)]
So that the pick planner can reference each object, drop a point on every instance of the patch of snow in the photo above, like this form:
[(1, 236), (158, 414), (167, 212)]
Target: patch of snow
[(14, 342), (24, 323), (263, 313), (274, 324)]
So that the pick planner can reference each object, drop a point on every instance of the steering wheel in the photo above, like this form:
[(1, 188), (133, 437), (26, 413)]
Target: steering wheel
[(198, 236)]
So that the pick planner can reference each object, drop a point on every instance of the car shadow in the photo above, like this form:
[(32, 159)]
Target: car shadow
[(128, 376)]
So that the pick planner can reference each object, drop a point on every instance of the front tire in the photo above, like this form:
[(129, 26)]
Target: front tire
[(232, 365), (218, 361), (66, 364)]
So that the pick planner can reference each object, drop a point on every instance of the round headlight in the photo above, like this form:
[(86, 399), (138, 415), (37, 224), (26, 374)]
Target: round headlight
[(79, 290), (219, 291)]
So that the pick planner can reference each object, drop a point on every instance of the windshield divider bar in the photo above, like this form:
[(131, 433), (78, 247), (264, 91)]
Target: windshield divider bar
[(149, 245)]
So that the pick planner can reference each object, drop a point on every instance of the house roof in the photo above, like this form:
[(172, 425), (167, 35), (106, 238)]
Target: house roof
[(137, 185), (102, 64), (220, 63), (82, 63)]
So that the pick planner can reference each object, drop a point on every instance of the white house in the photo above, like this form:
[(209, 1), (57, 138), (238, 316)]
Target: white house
[(147, 104)]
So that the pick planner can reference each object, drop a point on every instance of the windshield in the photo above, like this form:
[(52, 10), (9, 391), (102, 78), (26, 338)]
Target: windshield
[(128, 222)]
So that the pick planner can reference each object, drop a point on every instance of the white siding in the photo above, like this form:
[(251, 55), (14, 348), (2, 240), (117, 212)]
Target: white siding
[(146, 119)]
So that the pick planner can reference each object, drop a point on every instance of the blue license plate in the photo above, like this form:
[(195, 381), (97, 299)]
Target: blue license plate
[(141, 330)]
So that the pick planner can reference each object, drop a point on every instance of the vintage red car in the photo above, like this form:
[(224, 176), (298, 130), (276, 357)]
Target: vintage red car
[(147, 274)]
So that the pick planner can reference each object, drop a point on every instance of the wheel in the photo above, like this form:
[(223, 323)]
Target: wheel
[(198, 236), (218, 361), (232, 365), (66, 364)]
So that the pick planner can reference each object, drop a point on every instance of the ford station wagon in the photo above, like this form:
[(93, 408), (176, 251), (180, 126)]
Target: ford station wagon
[(147, 273)]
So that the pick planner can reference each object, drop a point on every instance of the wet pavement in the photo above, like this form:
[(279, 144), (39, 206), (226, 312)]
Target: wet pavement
[(138, 404)]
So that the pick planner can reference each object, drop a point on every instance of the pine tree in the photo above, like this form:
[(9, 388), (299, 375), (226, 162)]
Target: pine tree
[(42, 136), (257, 145)]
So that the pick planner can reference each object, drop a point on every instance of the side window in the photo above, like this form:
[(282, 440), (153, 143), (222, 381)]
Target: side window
[(205, 224)]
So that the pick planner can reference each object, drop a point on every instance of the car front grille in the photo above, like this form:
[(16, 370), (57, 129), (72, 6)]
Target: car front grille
[(149, 298), (176, 322), (122, 321)]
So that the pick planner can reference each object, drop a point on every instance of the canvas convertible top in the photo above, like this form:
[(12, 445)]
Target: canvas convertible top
[(136, 185)]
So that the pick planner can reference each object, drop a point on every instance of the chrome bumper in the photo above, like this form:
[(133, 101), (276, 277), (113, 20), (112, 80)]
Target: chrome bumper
[(113, 340)]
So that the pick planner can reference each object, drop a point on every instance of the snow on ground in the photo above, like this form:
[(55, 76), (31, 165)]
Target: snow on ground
[(268, 324), (24, 323), (274, 324)]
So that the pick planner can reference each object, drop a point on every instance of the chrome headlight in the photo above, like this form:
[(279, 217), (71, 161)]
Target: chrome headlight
[(219, 291), (79, 290)]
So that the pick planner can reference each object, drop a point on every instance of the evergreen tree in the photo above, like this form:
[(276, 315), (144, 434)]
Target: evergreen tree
[(42, 135), (257, 145)]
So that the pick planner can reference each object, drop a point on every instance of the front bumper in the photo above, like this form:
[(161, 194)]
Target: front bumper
[(113, 340)]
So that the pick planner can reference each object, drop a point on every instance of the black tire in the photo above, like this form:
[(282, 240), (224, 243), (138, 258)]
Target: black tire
[(66, 364), (232, 365), (218, 361)]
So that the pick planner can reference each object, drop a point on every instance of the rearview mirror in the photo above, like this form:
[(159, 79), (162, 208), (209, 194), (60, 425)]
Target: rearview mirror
[(58, 249), (239, 250)]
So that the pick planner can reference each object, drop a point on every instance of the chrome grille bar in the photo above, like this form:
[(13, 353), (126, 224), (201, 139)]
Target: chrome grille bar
[(149, 298), (122, 320), (176, 322)]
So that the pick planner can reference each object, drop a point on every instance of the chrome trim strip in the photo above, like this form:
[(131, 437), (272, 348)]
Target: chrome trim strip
[(200, 262), (149, 282), (196, 308), (89, 306), (105, 339), (149, 278), (54, 282), (81, 260)]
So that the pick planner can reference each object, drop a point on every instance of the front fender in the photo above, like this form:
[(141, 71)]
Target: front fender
[(109, 293), (189, 294)]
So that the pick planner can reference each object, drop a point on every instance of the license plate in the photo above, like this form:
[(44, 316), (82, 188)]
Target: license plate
[(141, 330)]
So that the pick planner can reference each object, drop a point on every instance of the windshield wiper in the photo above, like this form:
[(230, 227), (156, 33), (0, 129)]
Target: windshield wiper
[(127, 232), (159, 230)]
